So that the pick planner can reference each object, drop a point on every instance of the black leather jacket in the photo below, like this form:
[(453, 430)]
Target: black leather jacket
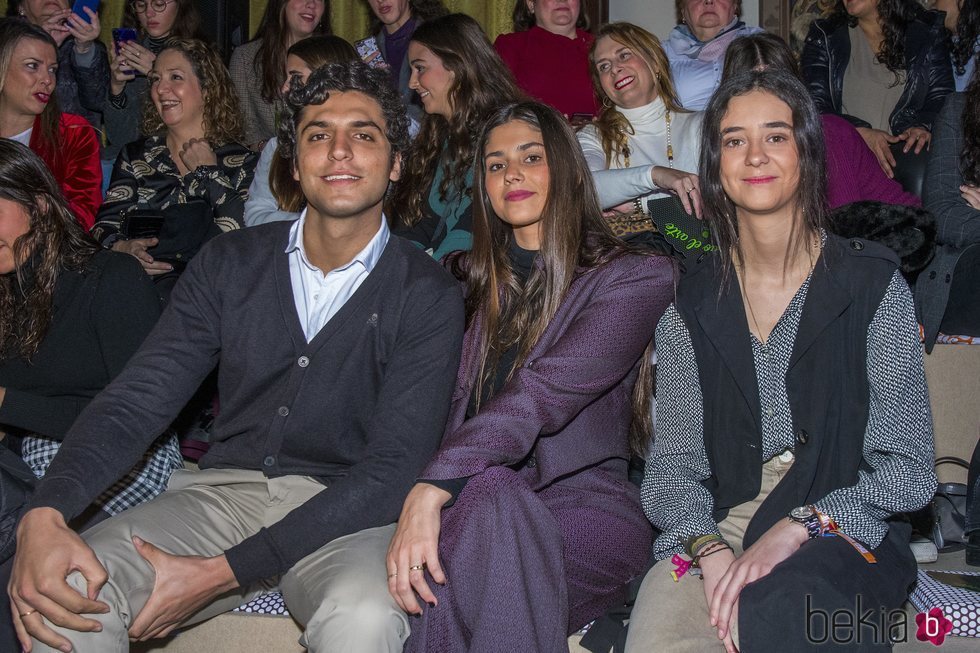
[(929, 74)]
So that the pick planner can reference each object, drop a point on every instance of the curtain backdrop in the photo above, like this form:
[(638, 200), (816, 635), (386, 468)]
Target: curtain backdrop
[(348, 17)]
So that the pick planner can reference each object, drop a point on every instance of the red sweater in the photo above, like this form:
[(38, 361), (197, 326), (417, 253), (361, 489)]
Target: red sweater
[(551, 68), (74, 162)]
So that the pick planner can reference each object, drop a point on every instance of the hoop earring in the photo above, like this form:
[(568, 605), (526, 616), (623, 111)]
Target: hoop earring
[(606, 103)]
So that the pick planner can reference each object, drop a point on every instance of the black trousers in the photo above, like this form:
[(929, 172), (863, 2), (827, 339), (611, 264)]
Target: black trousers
[(962, 316), (973, 493), (826, 596)]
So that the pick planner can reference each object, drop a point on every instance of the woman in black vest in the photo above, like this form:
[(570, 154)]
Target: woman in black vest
[(792, 419)]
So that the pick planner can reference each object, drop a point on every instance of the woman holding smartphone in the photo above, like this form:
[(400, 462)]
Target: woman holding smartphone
[(147, 24), (393, 24)]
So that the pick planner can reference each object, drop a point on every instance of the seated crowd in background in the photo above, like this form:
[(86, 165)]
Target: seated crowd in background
[(487, 210)]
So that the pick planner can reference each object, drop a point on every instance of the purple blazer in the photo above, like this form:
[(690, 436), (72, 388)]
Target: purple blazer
[(569, 404)]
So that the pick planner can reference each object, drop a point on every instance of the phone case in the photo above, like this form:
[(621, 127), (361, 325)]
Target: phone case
[(77, 9), (685, 233), (370, 53)]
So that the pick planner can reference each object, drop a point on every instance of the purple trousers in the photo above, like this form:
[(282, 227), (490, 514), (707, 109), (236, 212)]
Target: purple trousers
[(525, 569)]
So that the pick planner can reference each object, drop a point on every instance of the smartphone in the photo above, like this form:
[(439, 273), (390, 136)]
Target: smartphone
[(121, 35), (78, 9), (370, 53), (141, 224)]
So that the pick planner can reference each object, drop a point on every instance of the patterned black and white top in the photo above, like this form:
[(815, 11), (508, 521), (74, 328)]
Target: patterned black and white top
[(897, 441), (145, 177)]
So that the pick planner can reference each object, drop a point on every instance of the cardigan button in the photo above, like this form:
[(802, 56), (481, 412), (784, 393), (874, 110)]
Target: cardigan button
[(802, 436), (857, 245), (303, 361), (283, 411), (531, 462), (932, 275), (269, 461)]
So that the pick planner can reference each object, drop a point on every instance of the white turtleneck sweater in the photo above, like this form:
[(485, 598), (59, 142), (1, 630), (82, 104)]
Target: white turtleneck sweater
[(648, 148)]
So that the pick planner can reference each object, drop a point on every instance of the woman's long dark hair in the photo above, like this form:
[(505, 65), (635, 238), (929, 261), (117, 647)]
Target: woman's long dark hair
[(894, 17), (187, 24), (54, 242), (524, 17), (718, 209), (481, 83), (316, 52), (964, 42), (270, 59), (573, 235), (970, 123), (421, 10), (12, 31)]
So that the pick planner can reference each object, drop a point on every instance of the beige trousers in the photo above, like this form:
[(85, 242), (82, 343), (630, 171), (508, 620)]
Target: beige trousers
[(671, 617), (338, 593)]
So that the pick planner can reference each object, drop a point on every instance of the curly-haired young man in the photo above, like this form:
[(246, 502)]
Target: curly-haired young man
[(337, 344)]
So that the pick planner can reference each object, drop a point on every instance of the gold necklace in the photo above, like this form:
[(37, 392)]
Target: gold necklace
[(748, 302), (670, 148)]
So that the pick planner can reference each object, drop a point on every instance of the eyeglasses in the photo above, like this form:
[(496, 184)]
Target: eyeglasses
[(156, 5)]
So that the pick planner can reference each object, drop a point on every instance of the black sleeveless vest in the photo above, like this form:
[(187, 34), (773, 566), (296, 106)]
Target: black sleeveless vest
[(826, 381)]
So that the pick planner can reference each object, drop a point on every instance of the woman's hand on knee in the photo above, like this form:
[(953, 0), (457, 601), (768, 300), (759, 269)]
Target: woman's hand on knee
[(777, 544), (47, 551), (415, 548)]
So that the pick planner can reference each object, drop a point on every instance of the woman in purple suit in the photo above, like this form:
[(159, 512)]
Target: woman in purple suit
[(525, 519)]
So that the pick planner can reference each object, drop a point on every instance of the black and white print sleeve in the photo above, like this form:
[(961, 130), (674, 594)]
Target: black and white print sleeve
[(898, 442), (672, 494)]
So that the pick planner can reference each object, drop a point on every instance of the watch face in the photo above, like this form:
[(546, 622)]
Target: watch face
[(801, 513)]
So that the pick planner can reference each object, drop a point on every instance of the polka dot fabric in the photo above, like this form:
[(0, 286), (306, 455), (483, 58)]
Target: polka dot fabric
[(960, 606), (269, 604)]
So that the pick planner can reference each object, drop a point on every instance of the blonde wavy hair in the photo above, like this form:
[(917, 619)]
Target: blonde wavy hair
[(223, 121), (613, 127)]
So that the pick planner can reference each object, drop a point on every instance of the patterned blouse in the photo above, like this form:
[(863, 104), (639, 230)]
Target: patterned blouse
[(897, 440), (145, 177)]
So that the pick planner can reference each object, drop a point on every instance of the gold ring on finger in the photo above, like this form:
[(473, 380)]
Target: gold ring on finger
[(417, 567), (27, 614)]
